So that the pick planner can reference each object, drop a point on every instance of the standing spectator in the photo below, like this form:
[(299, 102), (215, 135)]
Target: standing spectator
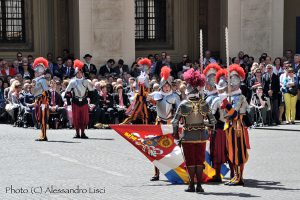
[(208, 59), (271, 89), (16, 65), (241, 58), (289, 56), (7, 70), (290, 83), (19, 59), (277, 69), (296, 64), (69, 70), (51, 62), (256, 80), (171, 65), (107, 68), (182, 65), (121, 68), (90, 70), (160, 64), (268, 60), (235, 60), (59, 69), (66, 54), (30, 60)]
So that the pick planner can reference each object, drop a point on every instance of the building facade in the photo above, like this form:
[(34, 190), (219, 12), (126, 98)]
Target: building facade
[(132, 28)]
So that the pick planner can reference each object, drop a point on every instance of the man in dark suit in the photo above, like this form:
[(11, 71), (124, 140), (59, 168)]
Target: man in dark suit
[(121, 68), (56, 105), (107, 68), (296, 63), (59, 69), (168, 63), (69, 70), (271, 88), (51, 64), (89, 70)]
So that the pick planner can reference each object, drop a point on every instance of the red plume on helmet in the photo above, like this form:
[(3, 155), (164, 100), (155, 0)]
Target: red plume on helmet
[(220, 73), (40, 61), (238, 69), (194, 78), (78, 64), (165, 72), (145, 61), (214, 66)]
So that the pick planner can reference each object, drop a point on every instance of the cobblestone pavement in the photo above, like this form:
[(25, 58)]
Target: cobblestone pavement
[(108, 167)]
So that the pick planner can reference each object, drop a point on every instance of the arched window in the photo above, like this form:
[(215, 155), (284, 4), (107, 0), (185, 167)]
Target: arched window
[(12, 21), (150, 20)]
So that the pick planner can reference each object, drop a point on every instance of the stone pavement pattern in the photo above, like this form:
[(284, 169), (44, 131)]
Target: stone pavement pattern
[(108, 162)]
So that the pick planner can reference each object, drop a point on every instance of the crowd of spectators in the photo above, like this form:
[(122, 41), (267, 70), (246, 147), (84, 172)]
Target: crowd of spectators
[(271, 87)]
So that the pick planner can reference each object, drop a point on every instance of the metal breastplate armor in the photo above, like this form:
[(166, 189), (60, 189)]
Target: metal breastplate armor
[(166, 105), (194, 114), (79, 88), (40, 86), (239, 103), (210, 98)]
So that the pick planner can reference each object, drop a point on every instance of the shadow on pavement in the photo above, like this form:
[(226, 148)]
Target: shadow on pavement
[(267, 185), (63, 141), (101, 139), (245, 195)]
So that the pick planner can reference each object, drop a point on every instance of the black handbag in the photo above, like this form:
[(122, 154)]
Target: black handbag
[(293, 91)]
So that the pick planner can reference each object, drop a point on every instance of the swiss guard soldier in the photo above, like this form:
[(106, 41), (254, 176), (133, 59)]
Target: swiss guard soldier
[(218, 138), (167, 102), (235, 108), (194, 111), (79, 89), (40, 65), (210, 87)]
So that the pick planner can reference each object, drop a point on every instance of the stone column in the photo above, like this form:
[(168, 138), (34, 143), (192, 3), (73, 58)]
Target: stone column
[(255, 27), (106, 30)]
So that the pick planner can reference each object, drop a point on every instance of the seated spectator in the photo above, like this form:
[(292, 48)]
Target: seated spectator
[(106, 104), (121, 68), (26, 71), (107, 68), (121, 103), (69, 70), (27, 100), (56, 106), (135, 71), (290, 91), (2, 101), (259, 106), (7, 70), (14, 106), (67, 107), (59, 68)]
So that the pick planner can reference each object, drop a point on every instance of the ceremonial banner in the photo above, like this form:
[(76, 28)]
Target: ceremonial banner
[(158, 145)]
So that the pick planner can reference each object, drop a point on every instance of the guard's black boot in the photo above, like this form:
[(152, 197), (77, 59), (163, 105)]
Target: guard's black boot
[(191, 188), (199, 188)]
